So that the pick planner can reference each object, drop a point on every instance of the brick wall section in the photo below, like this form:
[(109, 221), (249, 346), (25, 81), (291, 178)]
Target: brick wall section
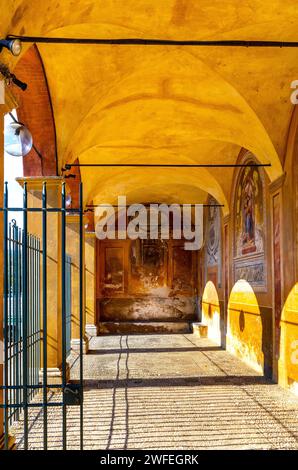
[(35, 111)]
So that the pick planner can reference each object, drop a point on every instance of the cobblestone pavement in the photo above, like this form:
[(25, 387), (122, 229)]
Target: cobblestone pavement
[(170, 392)]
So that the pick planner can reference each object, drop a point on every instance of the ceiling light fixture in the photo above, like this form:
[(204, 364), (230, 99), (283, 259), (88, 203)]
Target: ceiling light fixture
[(17, 139), (13, 45)]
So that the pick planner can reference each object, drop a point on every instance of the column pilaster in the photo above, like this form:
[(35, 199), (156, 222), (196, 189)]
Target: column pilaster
[(73, 244), (54, 266), (90, 276)]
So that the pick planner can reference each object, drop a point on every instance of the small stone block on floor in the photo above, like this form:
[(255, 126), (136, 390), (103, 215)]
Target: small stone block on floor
[(200, 330)]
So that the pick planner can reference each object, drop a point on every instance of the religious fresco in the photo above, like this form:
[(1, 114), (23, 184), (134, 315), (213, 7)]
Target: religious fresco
[(213, 242), (249, 260), (214, 234), (249, 213)]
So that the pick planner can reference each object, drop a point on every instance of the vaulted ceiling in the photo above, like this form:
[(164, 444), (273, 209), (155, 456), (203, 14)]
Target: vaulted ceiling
[(164, 104)]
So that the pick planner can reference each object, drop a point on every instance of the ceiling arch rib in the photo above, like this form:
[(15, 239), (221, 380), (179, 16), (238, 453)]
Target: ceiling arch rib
[(172, 106), (96, 177), (193, 99), (107, 188)]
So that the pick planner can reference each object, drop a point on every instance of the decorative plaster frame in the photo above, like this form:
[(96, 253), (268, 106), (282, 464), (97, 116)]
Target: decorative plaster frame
[(218, 265), (245, 156)]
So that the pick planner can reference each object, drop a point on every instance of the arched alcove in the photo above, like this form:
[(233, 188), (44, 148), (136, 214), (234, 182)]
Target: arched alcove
[(245, 326), (211, 312)]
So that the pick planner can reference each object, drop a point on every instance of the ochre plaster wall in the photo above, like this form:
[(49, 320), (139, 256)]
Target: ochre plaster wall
[(244, 335), (211, 312)]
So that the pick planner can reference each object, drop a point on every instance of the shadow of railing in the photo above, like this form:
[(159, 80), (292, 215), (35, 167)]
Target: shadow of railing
[(176, 382)]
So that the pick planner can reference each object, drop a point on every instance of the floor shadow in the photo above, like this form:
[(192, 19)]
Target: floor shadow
[(176, 382), (115, 385), (114, 382), (102, 352)]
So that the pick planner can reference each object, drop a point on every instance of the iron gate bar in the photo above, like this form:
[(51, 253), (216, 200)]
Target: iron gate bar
[(16, 253), (33, 386), (25, 317), (81, 316), (63, 301), (37, 209), (68, 166), (36, 404), (44, 316), (153, 42), (21, 263), (10, 306), (5, 288)]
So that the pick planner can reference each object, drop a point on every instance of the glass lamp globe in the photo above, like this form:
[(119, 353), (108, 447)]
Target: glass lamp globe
[(17, 140), (68, 201)]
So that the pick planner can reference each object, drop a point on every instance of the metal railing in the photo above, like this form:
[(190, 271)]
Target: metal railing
[(13, 298), (25, 302)]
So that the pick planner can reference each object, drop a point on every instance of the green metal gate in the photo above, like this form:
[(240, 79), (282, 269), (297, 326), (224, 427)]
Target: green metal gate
[(25, 384), (13, 299)]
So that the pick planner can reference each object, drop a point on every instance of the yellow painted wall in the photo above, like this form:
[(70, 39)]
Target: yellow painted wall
[(244, 334), (211, 312), (90, 270), (288, 360)]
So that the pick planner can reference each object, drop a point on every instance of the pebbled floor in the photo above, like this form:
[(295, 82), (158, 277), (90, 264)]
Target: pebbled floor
[(169, 392)]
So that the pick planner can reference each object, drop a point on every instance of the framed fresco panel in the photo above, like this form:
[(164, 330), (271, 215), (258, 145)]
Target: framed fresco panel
[(250, 227)]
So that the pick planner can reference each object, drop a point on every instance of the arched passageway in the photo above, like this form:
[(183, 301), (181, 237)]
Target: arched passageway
[(223, 120)]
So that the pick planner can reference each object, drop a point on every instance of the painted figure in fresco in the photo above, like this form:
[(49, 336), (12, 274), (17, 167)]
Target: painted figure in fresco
[(248, 211), (213, 237), (249, 228)]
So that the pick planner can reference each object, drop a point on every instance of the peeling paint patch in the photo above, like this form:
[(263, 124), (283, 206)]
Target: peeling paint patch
[(148, 309)]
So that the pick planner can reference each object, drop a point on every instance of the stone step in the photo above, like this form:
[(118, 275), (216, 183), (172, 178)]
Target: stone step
[(144, 327)]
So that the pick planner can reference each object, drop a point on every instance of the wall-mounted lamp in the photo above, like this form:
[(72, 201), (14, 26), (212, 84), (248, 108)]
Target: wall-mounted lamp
[(10, 77), (13, 45)]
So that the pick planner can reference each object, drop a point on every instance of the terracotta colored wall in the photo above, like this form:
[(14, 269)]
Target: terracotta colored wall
[(288, 357), (35, 111)]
